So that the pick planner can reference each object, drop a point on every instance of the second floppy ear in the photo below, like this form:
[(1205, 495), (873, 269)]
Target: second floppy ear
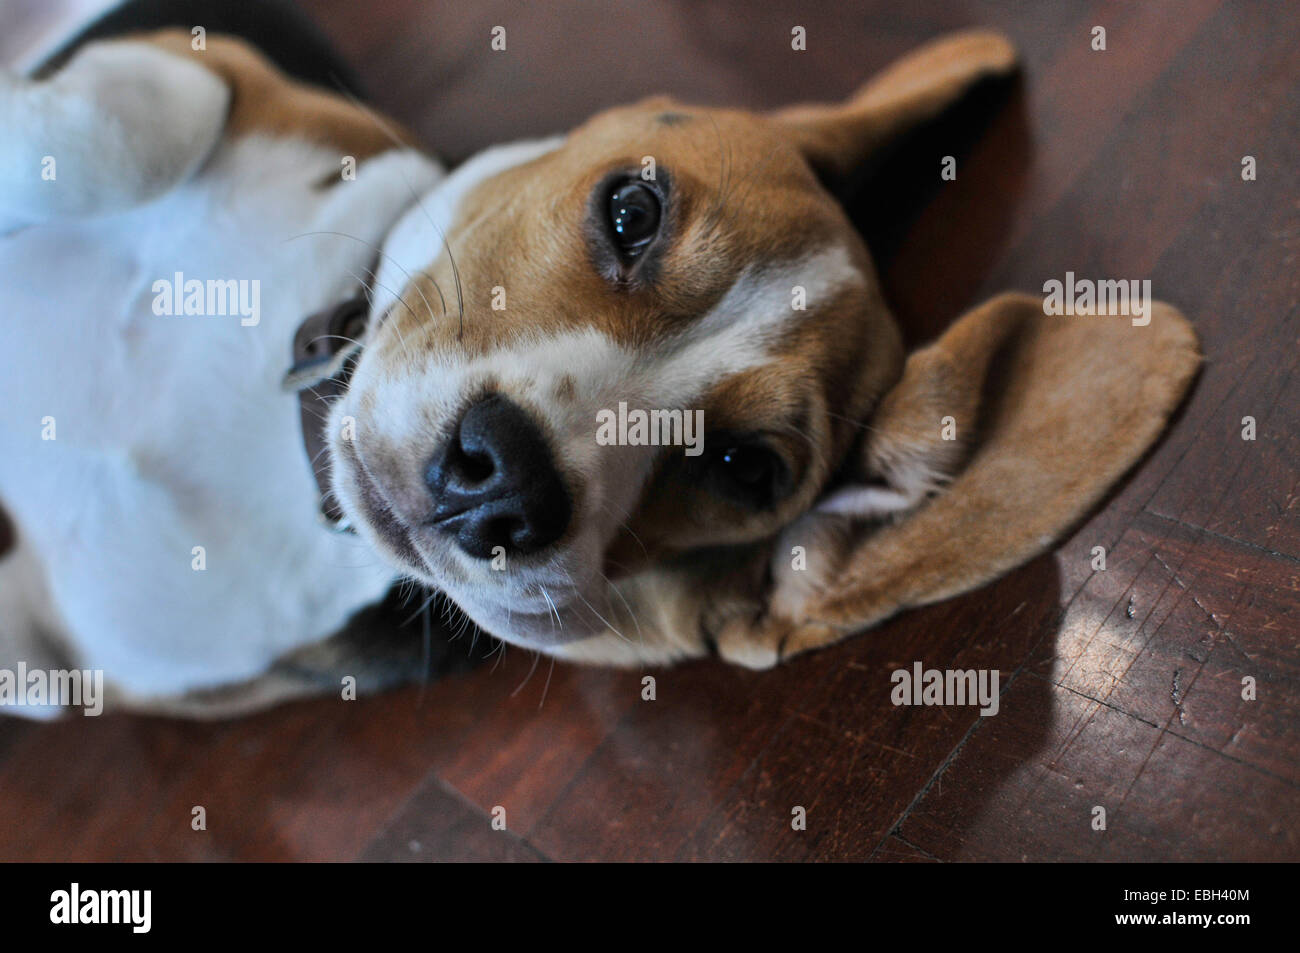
[(837, 139), (998, 438)]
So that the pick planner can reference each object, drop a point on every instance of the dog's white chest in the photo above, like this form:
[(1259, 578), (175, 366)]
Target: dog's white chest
[(149, 456)]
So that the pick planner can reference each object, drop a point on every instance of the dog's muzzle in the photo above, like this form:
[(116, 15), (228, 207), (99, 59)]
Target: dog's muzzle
[(494, 486)]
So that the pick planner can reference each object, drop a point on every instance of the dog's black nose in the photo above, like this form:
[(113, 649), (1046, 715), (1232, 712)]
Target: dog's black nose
[(494, 483)]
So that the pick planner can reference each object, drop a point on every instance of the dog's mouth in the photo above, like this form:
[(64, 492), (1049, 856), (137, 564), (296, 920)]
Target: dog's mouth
[(540, 609), (377, 513)]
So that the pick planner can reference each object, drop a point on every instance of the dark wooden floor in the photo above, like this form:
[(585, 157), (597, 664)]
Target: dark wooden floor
[(1123, 687)]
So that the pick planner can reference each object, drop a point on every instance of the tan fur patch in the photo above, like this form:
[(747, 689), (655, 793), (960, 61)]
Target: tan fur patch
[(265, 100)]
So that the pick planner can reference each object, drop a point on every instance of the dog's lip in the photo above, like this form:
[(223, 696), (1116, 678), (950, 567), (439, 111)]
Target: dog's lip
[(536, 609), (378, 512), (533, 626)]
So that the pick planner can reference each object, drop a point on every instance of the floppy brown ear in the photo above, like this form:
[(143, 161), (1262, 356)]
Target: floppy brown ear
[(836, 139), (997, 439)]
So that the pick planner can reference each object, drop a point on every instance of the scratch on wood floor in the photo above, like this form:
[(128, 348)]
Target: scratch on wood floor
[(1176, 696)]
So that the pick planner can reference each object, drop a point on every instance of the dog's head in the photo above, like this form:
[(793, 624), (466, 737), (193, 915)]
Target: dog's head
[(657, 260), (593, 354), (593, 358)]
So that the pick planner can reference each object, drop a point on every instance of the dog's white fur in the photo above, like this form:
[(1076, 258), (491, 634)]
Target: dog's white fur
[(121, 128), (171, 432)]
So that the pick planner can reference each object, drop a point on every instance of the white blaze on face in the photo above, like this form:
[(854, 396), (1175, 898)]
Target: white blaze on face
[(739, 332)]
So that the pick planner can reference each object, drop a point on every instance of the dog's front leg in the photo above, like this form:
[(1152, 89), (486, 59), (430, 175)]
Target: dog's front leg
[(410, 636), (122, 123)]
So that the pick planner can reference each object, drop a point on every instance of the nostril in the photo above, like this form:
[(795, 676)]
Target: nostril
[(504, 532), (473, 467), (494, 483), (459, 473), (466, 466)]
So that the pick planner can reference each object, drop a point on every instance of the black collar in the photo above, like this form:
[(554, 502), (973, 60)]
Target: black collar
[(325, 351)]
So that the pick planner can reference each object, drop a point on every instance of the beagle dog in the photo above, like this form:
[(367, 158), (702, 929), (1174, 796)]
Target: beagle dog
[(485, 349)]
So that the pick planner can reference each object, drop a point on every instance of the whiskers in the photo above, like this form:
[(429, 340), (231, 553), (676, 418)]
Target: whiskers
[(609, 625), (455, 270), (369, 284), (554, 611)]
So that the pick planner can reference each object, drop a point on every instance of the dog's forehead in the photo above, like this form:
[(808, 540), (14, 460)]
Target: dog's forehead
[(757, 253), (711, 138), (787, 314), (720, 159)]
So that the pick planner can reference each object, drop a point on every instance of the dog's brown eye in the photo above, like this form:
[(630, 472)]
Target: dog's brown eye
[(748, 465), (634, 217), (750, 474)]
